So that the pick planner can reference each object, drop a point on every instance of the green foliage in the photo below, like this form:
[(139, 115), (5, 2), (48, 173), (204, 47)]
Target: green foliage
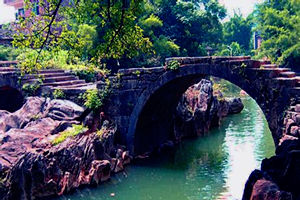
[(233, 49), (173, 65), (239, 30), (93, 31), (70, 132), (31, 89), (86, 36), (179, 28), (100, 132), (8, 53), (279, 25), (152, 22), (137, 73), (165, 47), (94, 98), (58, 94)]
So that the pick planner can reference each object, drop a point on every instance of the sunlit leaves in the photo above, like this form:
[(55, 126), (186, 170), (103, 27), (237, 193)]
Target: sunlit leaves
[(279, 24)]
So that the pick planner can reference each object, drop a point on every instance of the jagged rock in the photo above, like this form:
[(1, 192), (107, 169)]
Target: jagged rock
[(32, 128), (283, 170), (267, 190), (235, 105), (31, 167), (199, 110)]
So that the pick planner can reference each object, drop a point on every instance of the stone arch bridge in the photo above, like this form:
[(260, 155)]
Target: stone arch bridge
[(144, 100)]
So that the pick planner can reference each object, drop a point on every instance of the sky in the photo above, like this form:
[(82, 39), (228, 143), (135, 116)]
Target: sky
[(7, 13), (244, 6)]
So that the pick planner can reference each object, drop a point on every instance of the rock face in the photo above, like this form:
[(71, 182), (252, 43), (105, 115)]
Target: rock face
[(281, 171), (33, 127), (31, 167), (199, 110)]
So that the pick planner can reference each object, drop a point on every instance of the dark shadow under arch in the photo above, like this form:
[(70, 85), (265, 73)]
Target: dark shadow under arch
[(10, 99)]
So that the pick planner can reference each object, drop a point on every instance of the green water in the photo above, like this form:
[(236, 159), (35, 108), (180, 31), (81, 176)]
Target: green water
[(215, 166)]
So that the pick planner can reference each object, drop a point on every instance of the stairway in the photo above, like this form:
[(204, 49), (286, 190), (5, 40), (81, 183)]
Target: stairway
[(285, 74), (51, 79)]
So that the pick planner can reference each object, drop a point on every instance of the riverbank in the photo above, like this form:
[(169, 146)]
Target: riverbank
[(51, 147), (213, 166), (46, 150)]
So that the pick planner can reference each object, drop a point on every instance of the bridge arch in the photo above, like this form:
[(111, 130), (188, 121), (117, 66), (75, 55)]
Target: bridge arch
[(11, 98), (156, 103)]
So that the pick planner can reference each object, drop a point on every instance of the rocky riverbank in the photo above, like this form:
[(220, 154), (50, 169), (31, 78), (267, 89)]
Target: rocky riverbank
[(42, 155), (279, 175), (32, 167)]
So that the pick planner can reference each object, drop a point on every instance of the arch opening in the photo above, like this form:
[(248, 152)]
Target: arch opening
[(154, 112), (11, 99)]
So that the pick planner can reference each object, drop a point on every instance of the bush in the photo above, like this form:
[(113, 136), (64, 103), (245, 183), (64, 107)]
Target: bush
[(94, 99), (173, 65), (70, 132), (58, 94), (8, 53), (31, 89)]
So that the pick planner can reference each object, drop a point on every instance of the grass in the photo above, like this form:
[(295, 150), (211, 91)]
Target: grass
[(70, 132)]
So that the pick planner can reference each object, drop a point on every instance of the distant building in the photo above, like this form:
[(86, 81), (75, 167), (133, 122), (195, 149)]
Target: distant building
[(257, 40), (19, 6)]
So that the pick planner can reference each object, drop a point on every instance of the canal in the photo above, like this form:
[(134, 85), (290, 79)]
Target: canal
[(212, 167)]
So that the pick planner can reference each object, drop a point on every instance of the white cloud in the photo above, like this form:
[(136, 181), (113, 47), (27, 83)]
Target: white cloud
[(7, 13), (243, 6)]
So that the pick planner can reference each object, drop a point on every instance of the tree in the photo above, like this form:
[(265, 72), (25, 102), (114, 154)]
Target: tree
[(111, 27), (279, 25), (238, 29)]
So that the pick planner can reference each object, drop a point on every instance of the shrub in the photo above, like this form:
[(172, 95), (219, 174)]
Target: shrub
[(94, 99), (173, 65), (59, 94), (137, 73), (70, 132), (8, 53), (31, 89)]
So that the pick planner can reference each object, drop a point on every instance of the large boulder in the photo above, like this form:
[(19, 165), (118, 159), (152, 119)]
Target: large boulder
[(282, 172), (235, 105), (32, 167), (32, 128), (199, 110), (268, 190)]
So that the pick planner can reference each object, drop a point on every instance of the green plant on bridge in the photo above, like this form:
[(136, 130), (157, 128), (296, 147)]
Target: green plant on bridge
[(31, 89), (94, 98), (173, 65), (58, 94), (137, 73), (70, 132)]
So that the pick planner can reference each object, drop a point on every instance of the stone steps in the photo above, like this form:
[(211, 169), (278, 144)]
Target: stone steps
[(269, 66), (64, 83), (8, 69), (8, 63), (295, 90), (46, 75), (50, 71), (53, 79), (288, 74), (75, 86)]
